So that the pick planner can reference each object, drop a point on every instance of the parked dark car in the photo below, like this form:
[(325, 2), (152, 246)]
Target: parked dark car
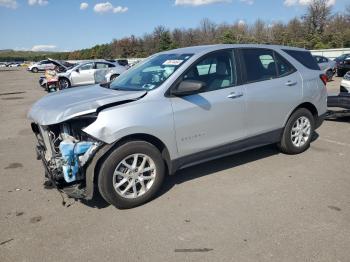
[(343, 64)]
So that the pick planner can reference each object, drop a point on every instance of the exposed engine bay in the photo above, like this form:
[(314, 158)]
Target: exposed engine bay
[(65, 151)]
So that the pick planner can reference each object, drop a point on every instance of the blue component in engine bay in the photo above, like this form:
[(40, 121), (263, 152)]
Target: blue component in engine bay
[(70, 154)]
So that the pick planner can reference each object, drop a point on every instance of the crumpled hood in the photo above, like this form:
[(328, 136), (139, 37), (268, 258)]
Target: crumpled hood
[(63, 105)]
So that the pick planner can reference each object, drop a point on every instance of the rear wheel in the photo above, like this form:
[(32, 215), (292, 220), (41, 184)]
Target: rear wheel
[(340, 73), (329, 75), (131, 175), (298, 132)]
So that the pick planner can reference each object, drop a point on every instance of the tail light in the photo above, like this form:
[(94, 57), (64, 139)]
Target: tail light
[(324, 79)]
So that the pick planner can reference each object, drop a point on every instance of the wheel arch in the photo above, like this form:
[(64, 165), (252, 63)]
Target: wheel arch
[(307, 105), (92, 171), (115, 75)]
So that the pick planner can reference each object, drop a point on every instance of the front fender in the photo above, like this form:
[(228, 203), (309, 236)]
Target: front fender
[(154, 118)]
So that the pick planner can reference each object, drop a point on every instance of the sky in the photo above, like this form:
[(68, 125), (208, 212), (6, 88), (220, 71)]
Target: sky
[(66, 25)]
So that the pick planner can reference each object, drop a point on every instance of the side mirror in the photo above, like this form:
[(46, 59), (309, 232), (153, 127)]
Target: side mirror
[(77, 70), (188, 87)]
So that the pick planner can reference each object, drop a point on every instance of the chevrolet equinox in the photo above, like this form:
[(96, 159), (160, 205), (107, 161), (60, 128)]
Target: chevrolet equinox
[(176, 109)]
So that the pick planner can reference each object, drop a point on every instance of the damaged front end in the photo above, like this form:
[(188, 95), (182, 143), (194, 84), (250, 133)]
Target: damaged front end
[(68, 153), (65, 151)]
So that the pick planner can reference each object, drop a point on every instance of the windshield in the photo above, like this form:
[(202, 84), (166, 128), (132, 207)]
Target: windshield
[(151, 73)]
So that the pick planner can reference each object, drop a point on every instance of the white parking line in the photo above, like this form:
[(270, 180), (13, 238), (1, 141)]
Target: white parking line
[(335, 142)]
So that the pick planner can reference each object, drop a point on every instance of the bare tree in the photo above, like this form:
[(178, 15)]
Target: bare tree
[(317, 16)]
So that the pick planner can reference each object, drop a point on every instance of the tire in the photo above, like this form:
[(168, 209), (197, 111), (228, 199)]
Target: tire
[(329, 75), (64, 83), (113, 77), (125, 153), (340, 73), (289, 142), (35, 70)]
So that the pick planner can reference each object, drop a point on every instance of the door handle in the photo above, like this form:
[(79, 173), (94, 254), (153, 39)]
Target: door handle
[(234, 95), (291, 83)]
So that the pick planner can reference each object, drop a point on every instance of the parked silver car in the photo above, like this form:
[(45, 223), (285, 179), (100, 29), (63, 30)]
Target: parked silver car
[(88, 73), (327, 66), (176, 109)]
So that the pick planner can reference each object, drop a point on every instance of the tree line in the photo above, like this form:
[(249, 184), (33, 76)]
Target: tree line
[(318, 28)]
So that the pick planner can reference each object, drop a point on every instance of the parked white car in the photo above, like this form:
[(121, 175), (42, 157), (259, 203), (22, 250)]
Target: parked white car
[(14, 65), (95, 72), (41, 66)]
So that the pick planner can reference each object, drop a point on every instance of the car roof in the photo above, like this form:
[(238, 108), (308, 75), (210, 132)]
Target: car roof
[(95, 61), (209, 48)]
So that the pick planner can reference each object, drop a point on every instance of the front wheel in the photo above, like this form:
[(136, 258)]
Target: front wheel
[(298, 132), (64, 83), (35, 70), (131, 175), (113, 77)]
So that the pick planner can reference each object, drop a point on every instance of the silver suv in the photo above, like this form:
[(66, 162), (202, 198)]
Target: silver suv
[(176, 109)]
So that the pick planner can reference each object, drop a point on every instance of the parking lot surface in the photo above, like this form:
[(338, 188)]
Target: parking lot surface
[(255, 206)]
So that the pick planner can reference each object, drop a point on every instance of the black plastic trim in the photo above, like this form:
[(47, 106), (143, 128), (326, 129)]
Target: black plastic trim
[(228, 149)]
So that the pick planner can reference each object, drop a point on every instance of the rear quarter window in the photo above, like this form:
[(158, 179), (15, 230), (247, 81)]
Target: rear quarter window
[(303, 57)]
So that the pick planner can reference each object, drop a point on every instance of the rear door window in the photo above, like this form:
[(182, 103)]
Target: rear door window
[(259, 64), (324, 59), (303, 57), (123, 62)]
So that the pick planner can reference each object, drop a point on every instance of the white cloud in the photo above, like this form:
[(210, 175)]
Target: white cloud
[(241, 22), (84, 6), (305, 2), (9, 3), (38, 2), (43, 48), (249, 2), (107, 7), (199, 2)]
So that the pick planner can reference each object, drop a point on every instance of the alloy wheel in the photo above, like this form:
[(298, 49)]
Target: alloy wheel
[(64, 83), (301, 131), (134, 176)]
